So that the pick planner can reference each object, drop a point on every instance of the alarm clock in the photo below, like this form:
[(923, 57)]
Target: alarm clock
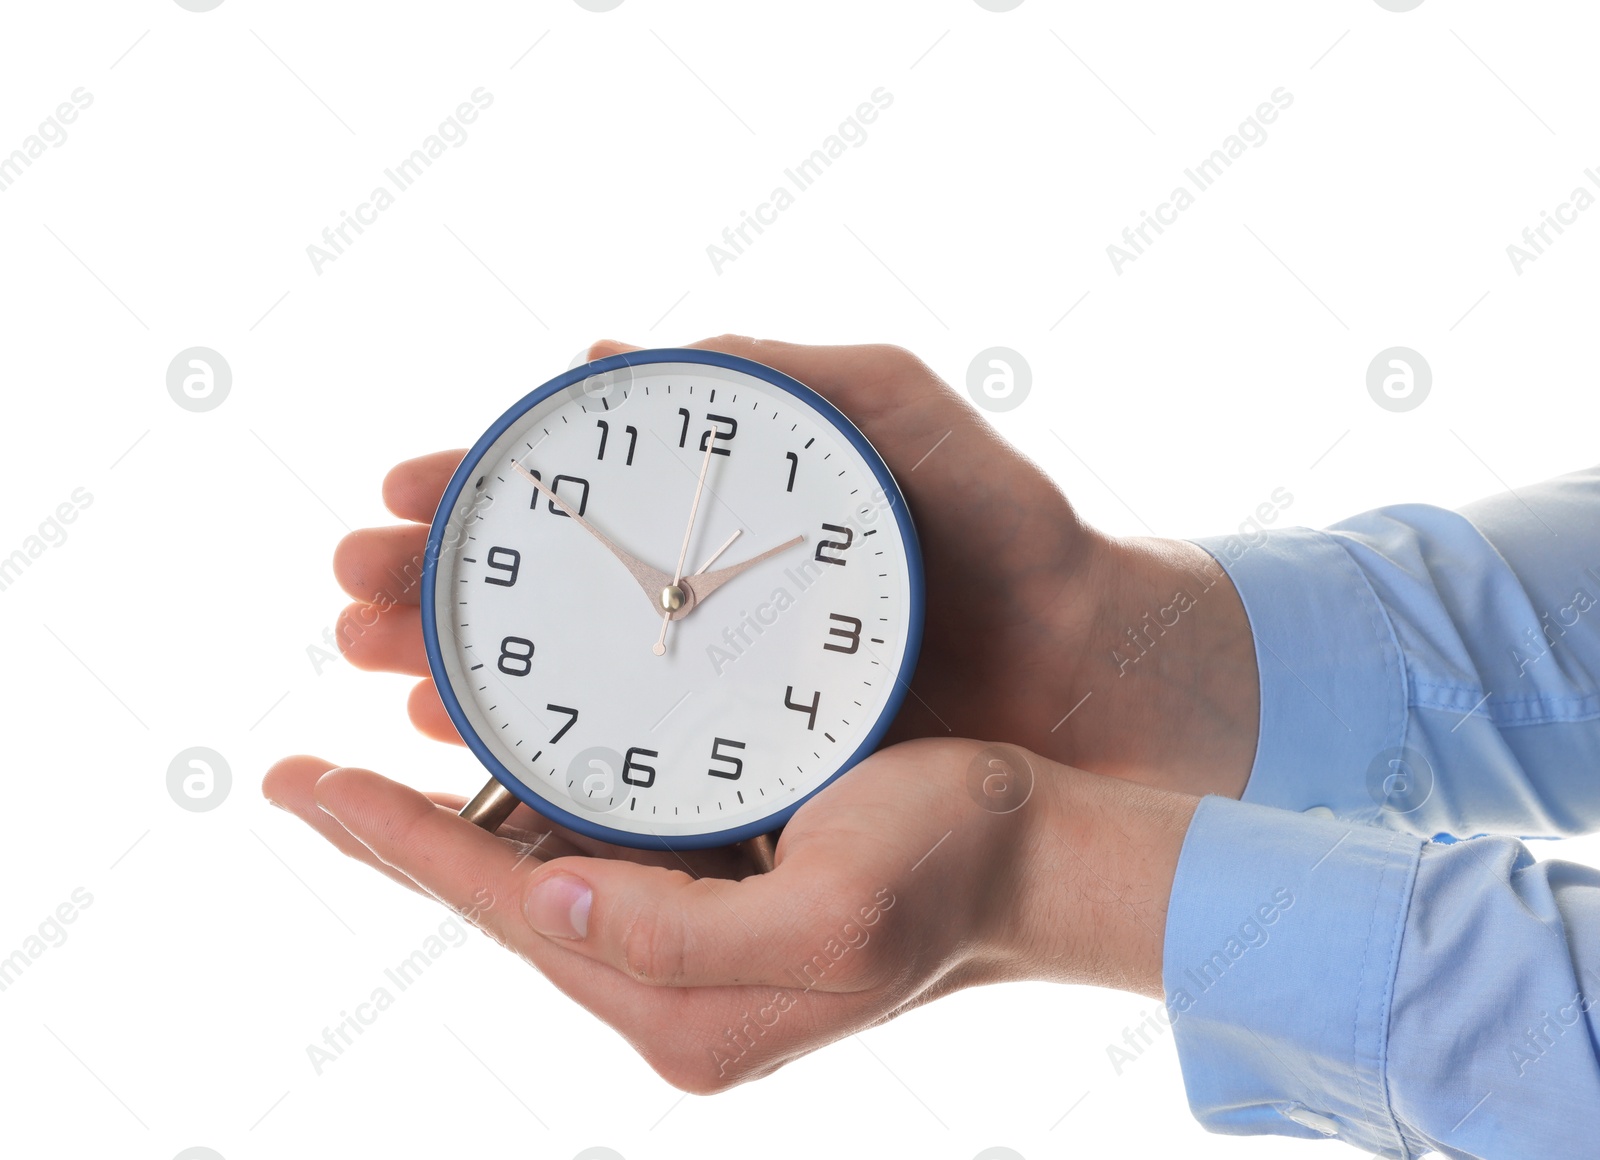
[(669, 596)]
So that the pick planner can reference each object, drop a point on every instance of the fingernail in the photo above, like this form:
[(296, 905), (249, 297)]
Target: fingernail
[(558, 907)]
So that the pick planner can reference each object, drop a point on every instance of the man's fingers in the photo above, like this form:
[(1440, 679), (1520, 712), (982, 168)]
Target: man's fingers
[(888, 392), (830, 370), (429, 716), (853, 377), (666, 928), (386, 641), (867, 383), (528, 828), (412, 489), (701, 1039), (291, 784), (467, 868), (382, 565), (606, 347)]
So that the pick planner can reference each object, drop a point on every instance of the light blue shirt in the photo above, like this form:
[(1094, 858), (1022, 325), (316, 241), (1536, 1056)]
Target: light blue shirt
[(1362, 947)]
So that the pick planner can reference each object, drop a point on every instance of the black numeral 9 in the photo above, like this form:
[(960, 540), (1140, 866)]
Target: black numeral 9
[(507, 560)]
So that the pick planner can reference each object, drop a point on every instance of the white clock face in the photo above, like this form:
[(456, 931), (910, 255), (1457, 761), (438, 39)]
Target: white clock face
[(772, 678)]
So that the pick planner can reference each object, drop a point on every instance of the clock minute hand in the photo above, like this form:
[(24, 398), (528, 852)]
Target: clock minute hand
[(703, 584), (651, 580), (673, 596)]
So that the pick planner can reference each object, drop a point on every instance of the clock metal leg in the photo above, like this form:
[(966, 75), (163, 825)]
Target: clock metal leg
[(494, 803), (490, 806), (763, 848)]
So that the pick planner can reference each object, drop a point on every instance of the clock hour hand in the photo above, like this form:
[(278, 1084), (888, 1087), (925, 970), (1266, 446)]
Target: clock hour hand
[(653, 581), (703, 584)]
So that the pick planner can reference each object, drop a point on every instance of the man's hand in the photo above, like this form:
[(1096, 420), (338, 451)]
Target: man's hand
[(934, 865), (1026, 604), (917, 874)]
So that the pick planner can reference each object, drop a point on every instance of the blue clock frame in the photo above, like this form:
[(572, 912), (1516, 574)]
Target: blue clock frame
[(588, 826)]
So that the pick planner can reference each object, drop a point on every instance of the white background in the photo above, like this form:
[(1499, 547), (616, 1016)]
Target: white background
[(1174, 397)]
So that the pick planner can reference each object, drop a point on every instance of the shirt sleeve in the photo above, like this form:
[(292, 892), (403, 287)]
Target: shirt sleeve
[(1330, 971), (1326, 978), (1429, 670)]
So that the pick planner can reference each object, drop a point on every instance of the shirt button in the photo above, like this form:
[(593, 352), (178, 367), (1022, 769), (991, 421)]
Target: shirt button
[(1317, 1122), (1319, 812)]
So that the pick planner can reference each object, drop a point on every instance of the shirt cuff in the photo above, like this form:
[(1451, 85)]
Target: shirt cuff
[(1333, 684), (1282, 942)]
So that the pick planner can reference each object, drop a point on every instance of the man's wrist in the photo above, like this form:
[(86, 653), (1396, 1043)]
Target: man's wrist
[(1170, 663), (1102, 855)]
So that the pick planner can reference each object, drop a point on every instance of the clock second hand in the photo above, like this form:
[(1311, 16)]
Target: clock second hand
[(726, 544), (672, 596), (707, 583)]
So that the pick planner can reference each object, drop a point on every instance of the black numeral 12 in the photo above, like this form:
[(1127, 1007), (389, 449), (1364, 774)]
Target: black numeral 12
[(713, 431)]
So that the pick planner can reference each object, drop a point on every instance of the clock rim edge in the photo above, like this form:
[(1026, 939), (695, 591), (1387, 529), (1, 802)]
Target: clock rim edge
[(591, 828)]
